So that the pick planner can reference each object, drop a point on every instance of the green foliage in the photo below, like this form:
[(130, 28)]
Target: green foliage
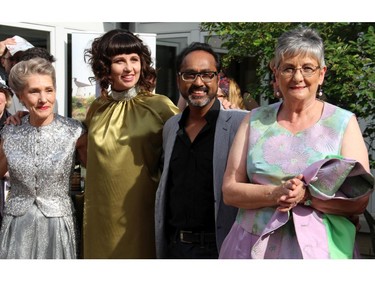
[(80, 106), (349, 53)]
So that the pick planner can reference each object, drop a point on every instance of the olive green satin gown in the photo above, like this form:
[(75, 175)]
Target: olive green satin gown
[(122, 175)]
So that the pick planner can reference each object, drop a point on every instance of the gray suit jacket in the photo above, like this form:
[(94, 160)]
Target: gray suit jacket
[(226, 127)]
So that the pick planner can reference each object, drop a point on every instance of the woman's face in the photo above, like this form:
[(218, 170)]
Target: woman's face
[(125, 71), (3, 102), (39, 97), (293, 84)]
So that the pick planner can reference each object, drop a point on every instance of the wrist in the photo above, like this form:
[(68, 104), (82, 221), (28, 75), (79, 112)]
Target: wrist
[(307, 199)]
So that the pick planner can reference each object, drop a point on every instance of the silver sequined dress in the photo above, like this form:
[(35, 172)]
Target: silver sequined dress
[(38, 221)]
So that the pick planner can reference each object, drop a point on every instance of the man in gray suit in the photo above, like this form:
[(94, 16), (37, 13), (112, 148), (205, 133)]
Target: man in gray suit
[(191, 219)]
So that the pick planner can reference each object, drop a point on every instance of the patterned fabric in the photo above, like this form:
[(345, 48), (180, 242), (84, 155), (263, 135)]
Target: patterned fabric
[(276, 155), (38, 221), (337, 177), (122, 175)]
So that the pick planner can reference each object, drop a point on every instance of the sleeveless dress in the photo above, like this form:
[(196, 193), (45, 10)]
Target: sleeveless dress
[(38, 216), (275, 155), (122, 174)]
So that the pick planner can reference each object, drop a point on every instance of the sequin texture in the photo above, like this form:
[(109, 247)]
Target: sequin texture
[(39, 220)]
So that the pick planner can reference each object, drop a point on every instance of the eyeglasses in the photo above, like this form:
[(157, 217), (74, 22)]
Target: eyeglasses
[(191, 76), (306, 71)]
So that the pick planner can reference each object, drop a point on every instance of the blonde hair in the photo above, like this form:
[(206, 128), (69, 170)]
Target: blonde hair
[(234, 94)]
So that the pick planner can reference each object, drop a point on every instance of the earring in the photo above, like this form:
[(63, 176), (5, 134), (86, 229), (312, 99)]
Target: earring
[(320, 91), (277, 94)]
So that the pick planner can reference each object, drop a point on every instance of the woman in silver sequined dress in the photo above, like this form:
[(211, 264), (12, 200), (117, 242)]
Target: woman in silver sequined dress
[(39, 155)]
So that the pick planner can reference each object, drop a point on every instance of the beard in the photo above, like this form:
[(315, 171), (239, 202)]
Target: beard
[(201, 102)]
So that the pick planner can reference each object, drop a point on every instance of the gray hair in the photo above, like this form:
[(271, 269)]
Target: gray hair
[(300, 41), (21, 71)]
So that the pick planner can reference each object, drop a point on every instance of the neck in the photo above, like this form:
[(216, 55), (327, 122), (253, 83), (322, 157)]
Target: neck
[(125, 94), (39, 122)]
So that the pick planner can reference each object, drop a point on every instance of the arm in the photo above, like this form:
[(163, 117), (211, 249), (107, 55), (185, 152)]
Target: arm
[(353, 144), (81, 147), (16, 118), (8, 41), (238, 192), (3, 161), (353, 147)]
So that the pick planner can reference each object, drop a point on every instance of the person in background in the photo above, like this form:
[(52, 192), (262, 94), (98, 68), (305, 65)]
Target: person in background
[(190, 217), (39, 154), (125, 127), (37, 52), (230, 91), (12, 49), (280, 214), (5, 101), (5, 60)]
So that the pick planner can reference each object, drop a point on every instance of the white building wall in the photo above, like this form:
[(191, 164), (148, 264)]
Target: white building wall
[(58, 47)]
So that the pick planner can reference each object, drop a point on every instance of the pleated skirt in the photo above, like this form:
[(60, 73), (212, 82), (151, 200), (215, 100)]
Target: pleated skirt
[(35, 236)]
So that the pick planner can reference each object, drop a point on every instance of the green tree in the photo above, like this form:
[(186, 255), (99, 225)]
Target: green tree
[(349, 53)]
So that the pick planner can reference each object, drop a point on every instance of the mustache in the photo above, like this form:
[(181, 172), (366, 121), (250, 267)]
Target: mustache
[(198, 88)]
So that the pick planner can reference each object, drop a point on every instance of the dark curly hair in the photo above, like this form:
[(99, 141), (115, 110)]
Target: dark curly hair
[(116, 42)]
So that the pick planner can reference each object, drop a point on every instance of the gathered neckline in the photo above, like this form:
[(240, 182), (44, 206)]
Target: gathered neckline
[(124, 95)]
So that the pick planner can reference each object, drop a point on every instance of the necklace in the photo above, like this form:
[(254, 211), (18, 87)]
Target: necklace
[(124, 95)]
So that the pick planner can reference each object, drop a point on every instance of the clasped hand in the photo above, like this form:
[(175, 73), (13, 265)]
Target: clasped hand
[(292, 192)]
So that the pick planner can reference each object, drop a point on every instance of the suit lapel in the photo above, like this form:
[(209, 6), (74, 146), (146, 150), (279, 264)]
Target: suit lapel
[(221, 149)]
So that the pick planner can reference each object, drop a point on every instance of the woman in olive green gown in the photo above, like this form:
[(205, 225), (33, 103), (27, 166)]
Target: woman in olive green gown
[(124, 149)]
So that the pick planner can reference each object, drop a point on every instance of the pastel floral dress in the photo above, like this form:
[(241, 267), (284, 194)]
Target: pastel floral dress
[(275, 155)]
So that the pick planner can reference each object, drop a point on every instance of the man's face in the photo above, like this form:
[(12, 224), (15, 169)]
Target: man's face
[(198, 90)]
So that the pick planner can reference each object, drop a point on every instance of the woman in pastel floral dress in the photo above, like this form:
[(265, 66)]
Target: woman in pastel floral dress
[(280, 214)]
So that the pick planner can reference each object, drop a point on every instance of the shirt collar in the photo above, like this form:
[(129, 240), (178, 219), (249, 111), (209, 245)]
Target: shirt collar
[(210, 116)]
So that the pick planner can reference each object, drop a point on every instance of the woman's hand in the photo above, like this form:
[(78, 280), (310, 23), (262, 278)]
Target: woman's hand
[(8, 41), (16, 118), (227, 104), (293, 192)]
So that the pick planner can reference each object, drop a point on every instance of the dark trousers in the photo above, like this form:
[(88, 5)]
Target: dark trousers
[(191, 249)]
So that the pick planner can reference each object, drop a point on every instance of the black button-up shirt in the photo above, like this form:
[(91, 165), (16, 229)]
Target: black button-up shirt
[(190, 191)]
